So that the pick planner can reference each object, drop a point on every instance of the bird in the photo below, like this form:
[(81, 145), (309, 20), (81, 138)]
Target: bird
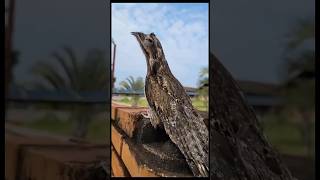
[(238, 148), (170, 107)]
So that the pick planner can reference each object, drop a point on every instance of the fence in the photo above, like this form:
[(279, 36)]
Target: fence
[(38, 156), (140, 150)]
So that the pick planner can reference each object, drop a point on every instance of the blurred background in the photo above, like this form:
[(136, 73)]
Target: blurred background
[(57, 89), (59, 67), (269, 48)]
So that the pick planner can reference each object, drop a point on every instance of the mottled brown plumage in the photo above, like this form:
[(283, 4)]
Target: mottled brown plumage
[(171, 107), (238, 148)]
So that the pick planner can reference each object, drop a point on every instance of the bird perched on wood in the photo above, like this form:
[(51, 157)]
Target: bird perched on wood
[(171, 107), (239, 149)]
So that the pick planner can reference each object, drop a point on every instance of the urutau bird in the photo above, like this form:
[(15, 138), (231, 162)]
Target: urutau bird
[(171, 107)]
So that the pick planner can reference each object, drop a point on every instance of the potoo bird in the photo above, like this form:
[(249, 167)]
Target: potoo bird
[(171, 107), (239, 149)]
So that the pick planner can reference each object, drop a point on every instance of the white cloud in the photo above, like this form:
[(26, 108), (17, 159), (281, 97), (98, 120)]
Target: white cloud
[(182, 30)]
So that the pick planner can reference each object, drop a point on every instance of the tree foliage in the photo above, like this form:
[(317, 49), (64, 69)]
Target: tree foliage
[(134, 86), (299, 89), (203, 86), (70, 74)]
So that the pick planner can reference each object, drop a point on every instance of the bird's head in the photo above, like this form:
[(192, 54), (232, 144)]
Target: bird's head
[(149, 44), (151, 47)]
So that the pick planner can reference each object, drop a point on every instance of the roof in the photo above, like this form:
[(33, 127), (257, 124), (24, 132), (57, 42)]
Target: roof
[(258, 94), (190, 89), (62, 96), (258, 88), (264, 100), (250, 87)]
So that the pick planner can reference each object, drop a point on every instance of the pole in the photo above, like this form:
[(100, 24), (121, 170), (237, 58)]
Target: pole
[(9, 26), (113, 62)]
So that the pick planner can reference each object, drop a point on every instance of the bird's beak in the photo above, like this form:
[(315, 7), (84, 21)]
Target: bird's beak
[(140, 37)]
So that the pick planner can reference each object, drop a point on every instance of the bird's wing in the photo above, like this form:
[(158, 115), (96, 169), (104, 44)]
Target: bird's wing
[(182, 123), (154, 118)]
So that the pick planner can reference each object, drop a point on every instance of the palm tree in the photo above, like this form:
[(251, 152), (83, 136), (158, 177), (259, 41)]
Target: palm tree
[(133, 86), (204, 76), (203, 86), (14, 62), (72, 75), (304, 30), (299, 89)]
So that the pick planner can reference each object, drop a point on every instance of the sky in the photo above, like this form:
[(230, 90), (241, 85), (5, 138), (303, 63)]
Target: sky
[(181, 28), (45, 26), (247, 36)]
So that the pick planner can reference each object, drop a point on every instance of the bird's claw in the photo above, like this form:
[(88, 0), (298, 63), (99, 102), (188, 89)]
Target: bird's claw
[(146, 114)]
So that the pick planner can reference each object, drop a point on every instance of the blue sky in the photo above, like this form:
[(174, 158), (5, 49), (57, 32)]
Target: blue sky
[(248, 37), (181, 28)]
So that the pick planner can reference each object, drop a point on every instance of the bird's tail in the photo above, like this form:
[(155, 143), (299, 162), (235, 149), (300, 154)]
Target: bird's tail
[(198, 169), (203, 170)]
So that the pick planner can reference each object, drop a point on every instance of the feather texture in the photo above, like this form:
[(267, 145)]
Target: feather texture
[(170, 103), (171, 107)]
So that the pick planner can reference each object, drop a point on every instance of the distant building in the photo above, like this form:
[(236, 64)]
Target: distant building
[(191, 91), (262, 96)]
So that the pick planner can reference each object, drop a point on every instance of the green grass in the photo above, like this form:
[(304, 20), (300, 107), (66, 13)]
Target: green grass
[(98, 130), (284, 136), (127, 100), (198, 104), (50, 123)]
